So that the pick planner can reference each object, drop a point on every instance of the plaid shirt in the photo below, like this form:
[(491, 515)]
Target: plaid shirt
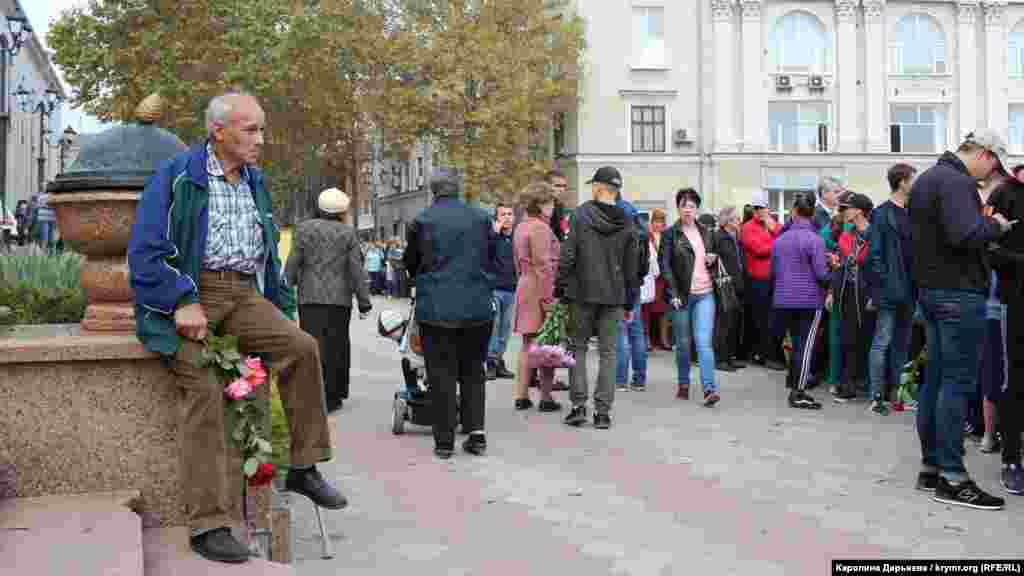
[(235, 238)]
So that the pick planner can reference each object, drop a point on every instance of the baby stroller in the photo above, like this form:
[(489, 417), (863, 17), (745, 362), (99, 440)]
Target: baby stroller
[(412, 399)]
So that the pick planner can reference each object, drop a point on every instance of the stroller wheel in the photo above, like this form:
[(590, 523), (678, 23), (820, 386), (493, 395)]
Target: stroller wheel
[(398, 411)]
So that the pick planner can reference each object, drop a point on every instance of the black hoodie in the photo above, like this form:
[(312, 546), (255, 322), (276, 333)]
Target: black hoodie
[(598, 258)]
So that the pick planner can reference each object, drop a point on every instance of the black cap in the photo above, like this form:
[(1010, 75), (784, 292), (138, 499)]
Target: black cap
[(607, 175), (859, 201)]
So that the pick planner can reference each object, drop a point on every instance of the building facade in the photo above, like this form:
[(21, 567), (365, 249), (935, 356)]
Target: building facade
[(27, 139), (729, 96), (399, 187)]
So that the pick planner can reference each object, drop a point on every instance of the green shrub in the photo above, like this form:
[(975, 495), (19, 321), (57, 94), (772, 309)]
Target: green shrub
[(41, 289)]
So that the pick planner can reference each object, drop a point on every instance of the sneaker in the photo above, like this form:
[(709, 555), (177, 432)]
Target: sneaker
[(926, 481), (549, 406), (843, 397), (967, 494), (524, 403), (1012, 479), (602, 421), (879, 407), (476, 444), (444, 452), (502, 371), (683, 393), (492, 371), (711, 398), (803, 401), (989, 444), (635, 387), (577, 416), (833, 389), (622, 387), (724, 367)]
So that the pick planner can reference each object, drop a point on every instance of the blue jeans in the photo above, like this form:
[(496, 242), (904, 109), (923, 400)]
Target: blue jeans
[(631, 347), (955, 322), (889, 349), (47, 233), (699, 313), (504, 302)]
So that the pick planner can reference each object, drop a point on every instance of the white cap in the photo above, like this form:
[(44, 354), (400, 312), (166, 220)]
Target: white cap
[(333, 201), (759, 199)]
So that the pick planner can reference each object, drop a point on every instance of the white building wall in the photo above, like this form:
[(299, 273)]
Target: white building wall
[(721, 53)]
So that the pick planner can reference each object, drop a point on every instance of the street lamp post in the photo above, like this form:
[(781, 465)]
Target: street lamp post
[(45, 106), (66, 140), (10, 43)]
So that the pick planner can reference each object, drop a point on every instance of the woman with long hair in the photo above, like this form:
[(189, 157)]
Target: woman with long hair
[(655, 314), (535, 250)]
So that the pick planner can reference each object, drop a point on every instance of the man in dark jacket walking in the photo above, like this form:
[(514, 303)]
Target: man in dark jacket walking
[(597, 272), (950, 267), (889, 258), (449, 253)]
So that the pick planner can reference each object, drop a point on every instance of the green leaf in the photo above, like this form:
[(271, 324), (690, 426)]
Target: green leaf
[(250, 466), (264, 446)]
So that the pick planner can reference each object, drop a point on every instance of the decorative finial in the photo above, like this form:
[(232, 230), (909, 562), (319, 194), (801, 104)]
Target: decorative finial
[(150, 109)]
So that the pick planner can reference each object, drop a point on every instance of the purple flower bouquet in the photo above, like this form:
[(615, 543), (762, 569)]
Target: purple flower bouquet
[(550, 356)]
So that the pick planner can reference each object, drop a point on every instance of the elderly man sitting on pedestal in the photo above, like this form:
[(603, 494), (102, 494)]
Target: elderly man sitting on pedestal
[(203, 254)]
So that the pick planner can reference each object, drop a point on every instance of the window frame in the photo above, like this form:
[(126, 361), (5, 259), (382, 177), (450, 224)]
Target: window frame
[(939, 146), (829, 128), (895, 47), (777, 49), (1018, 46), (1017, 148), (666, 133), (643, 61), (777, 196)]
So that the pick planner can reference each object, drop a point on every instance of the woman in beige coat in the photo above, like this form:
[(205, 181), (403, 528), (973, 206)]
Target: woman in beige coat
[(536, 250)]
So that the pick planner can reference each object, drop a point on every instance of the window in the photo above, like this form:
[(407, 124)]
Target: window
[(783, 184), (799, 43), (1016, 129), (798, 126), (648, 128), (1015, 52), (919, 129), (919, 47), (648, 36)]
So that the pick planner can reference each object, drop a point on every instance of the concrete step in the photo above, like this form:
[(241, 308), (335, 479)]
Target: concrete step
[(167, 553), (87, 534)]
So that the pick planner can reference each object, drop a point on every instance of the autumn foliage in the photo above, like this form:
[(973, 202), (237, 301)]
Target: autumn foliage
[(483, 79)]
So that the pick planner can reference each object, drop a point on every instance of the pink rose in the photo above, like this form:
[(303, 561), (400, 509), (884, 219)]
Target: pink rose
[(238, 389), (255, 373)]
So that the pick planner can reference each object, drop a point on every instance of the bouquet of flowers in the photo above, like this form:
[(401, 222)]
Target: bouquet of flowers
[(910, 381), (547, 350)]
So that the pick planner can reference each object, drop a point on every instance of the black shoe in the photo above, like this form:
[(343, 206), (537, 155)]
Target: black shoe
[(549, 406), (476, 444), (559, 386), (602, 421), (492, 371), (724, 367), (311, 484), (577, 416), (501, 371), (524, 404), (443, 452), (335, 405), (803, 401), (966, 494), (926, 481), (220, 545), (738, 364), (774, 365)]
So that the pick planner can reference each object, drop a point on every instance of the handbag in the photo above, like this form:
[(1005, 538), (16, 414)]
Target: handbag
[(725, 290)]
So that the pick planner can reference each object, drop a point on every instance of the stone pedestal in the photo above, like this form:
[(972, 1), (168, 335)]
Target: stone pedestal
[(95, 413)]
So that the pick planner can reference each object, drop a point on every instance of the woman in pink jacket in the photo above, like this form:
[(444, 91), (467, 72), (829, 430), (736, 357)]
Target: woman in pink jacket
[(536, 250)]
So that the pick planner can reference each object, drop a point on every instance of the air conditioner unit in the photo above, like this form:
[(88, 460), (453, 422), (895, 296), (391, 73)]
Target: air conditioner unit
[(816, 82), (682, 137), (783, 82)]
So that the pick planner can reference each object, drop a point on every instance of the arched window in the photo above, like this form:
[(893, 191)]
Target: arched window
[(918, 46), (800, 44), (1015, 52)]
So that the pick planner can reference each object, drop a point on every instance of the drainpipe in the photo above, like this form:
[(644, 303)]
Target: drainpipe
[(700, 99)]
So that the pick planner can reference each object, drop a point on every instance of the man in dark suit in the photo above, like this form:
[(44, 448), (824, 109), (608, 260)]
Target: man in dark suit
[(729, 327), (449, 253)]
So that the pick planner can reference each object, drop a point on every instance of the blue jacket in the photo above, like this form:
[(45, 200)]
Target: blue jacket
[(888, 260), (449, 252), (168, 244)]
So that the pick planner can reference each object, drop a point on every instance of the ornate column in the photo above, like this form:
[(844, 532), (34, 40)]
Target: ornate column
[(846, 59), (995, 65), (967, 48), (876, 70), (753, 79), (722, 13)]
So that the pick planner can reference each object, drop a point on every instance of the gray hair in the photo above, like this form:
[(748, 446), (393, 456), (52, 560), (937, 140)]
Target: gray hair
[(446, 182), (829, 184), (726, 214), (220, 108)]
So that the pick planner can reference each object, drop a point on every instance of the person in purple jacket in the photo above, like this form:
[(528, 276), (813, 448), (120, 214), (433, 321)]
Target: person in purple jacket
[(799, 275)]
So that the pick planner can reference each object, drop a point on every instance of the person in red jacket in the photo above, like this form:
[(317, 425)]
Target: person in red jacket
[(757, 236)]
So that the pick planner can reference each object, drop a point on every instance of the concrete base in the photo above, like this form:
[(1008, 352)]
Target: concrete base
[(86, 412)]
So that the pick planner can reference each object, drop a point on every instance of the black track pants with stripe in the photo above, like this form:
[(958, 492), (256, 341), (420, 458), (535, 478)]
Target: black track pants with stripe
[(802, 325)]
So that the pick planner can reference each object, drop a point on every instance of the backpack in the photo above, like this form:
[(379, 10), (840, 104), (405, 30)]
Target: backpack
[(641, 239)]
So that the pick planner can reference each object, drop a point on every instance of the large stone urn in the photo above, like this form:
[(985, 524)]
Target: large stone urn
[(95, 202)]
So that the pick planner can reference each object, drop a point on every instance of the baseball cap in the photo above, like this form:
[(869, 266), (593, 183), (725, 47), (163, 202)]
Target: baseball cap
[(989, 140), (759, 198), (607, 175), (859, 201)]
